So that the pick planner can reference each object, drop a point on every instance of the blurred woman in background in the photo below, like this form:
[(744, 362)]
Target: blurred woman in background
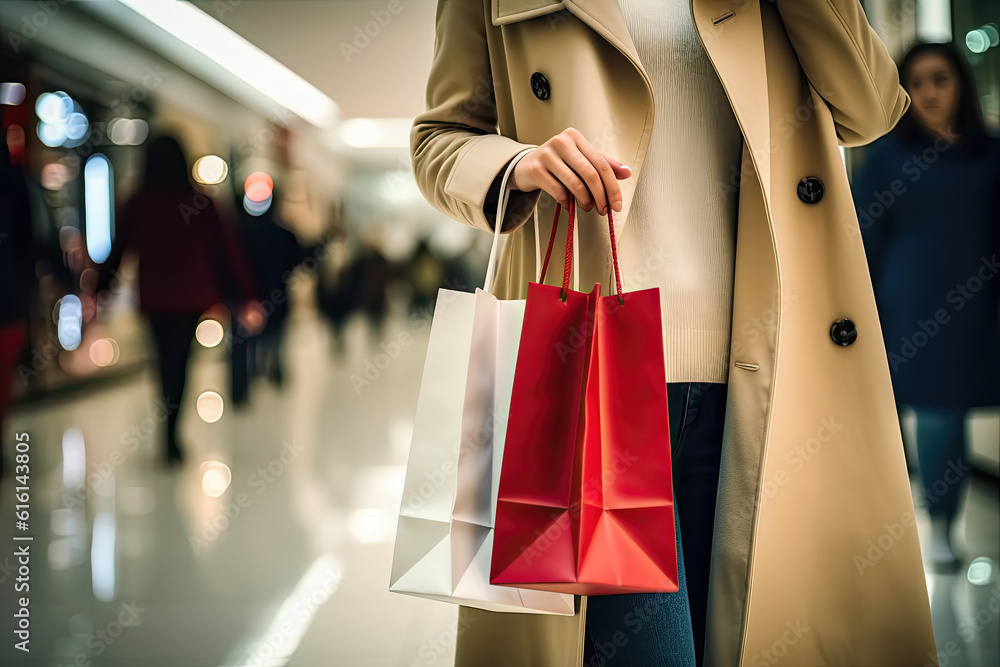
[(189, 261), (928, 200)]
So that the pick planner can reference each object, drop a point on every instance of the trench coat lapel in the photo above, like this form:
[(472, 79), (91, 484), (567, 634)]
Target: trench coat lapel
[(735, 45), (604, 16), (731, 33)]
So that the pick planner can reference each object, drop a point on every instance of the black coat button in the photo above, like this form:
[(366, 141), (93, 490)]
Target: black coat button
[(810, 189), (540, 86), (843, 332)]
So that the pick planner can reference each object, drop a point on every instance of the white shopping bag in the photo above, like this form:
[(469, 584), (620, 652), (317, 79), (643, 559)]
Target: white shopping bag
[(444, 537)]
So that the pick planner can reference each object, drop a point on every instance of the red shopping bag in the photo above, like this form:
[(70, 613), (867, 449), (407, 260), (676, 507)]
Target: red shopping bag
[(585, 501)]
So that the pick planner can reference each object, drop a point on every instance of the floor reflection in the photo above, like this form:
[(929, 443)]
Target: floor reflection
[(272, 544)]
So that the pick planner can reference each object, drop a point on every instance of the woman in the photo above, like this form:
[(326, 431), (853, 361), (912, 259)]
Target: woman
[(189, 261), (928, 198), (712, 128)]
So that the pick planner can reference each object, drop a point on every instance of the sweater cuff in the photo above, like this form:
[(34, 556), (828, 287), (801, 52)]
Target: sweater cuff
[(519, 204), (481, 162)]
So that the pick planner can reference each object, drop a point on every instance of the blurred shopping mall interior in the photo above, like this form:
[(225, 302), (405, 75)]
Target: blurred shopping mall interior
[(266, 539)]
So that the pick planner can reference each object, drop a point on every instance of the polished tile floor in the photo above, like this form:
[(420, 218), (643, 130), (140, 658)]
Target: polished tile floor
[(272, 545)]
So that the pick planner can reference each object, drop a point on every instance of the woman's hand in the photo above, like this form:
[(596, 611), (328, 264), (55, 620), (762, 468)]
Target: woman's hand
[(568, 165)]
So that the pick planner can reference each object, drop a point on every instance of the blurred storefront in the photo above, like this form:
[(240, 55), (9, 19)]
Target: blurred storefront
[(85, 86)]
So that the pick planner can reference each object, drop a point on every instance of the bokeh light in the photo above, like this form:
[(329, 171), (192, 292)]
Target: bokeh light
[(76, 126), (70, 324), (990, 29), (98, 190), (210, 170), (104, 352), (371, 526), (74, 459), (209, 333), (361, 133), (256, 208), (11, 93), (982, 571), (259, 192), (15, 138), (61, 121), (977, 40), (215, 478), (210, 406), (52, 135), (54, 176), (128, 131), (53, 108), (258, 189), (258, 177)]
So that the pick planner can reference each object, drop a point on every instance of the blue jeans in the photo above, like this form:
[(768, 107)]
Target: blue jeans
[(668, 629), (941, 454)]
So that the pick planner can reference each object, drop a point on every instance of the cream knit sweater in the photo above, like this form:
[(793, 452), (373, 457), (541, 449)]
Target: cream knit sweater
[(680, 234)]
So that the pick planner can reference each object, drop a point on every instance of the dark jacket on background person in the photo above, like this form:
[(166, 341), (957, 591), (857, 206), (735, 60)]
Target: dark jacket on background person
[(367, 279), (930, 215), (189, 258), (274, 253)]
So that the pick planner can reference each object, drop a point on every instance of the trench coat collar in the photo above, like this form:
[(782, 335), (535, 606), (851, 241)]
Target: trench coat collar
[(735, 46), (604, 16)]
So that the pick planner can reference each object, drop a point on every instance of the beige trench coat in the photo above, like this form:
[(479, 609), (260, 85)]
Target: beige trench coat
[(815, 526)]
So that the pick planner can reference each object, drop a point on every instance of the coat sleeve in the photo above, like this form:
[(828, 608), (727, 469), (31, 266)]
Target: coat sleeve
[(456, 149), (848, 64)]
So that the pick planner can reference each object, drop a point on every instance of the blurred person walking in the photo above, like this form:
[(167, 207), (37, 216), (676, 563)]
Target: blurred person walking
[(274, 252), (426, 274), (687, 117), (190, 259), (333, 292), (928, 198), (367, 279)]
